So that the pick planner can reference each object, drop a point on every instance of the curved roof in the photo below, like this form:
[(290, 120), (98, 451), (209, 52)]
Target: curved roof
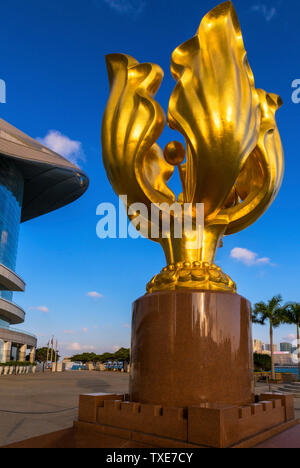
[(50, 181)]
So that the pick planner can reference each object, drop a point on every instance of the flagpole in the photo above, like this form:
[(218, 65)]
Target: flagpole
[(56, 356), (52, 343), (47, 354)]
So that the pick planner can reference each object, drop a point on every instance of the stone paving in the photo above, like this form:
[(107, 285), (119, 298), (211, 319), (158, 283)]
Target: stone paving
[(42, 398)]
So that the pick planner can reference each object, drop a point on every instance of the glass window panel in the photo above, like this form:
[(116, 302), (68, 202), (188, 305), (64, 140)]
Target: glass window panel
[(11, 196)]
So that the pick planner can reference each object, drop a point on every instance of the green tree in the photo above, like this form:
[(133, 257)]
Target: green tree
[(291, 315), (270, 311), (41, 355), (84, 357), (262, 361), (105, 357), (123, 354)]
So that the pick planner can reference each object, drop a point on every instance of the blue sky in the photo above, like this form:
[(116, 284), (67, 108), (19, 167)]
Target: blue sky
[(52, 60)]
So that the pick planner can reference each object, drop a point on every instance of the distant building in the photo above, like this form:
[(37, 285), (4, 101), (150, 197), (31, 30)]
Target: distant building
[(267, 347), (283, 359), (258, 346), (286, 347), (67, 359), (33, 181)]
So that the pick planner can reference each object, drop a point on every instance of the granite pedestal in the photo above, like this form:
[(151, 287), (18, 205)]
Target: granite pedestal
[(191, 382)]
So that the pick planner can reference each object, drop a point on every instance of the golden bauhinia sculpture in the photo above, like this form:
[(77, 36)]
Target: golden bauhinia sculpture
[(233, 162)]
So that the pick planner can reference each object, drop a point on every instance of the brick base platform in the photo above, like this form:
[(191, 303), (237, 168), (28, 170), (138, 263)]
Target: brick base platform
[(206, 425), (82, 437)]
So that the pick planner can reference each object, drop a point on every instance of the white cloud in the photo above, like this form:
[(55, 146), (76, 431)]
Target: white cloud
[(78, 347), (40, 308), (69, 332), (85, 330), (263, 261), (291, 337), (268, 13), (94, 294), (64, 146), (248, 257), (126, 6), (126, 325), (116, 348)]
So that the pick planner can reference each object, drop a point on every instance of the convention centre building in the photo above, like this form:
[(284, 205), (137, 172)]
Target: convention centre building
[(33, 181)]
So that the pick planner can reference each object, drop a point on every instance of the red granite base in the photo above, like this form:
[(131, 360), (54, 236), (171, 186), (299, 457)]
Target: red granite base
[(75, 437), (205, 425)]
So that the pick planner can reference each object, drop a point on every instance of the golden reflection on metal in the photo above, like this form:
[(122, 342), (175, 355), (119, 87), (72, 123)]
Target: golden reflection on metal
[(233, 162)]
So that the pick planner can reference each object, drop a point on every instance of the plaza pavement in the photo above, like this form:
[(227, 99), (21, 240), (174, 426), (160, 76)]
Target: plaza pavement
[(32, 405), (48, 393)]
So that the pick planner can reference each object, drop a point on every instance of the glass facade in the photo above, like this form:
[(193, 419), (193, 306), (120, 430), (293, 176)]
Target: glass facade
[(11, 197), (15, 352), (3, 323)]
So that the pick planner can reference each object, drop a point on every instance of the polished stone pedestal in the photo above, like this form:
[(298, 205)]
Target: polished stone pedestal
[(191, 347), (191, 382)]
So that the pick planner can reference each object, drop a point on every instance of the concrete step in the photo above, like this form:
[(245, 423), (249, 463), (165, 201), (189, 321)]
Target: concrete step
[(290, 391), (292, 387)]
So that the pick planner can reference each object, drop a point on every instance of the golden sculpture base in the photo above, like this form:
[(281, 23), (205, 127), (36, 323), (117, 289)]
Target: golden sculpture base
[(196, 275), (87, 435), (216, 426), (191, 347)]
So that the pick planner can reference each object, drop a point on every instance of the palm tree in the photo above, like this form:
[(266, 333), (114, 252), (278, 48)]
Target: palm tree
[(291, 314), (271, 311)]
